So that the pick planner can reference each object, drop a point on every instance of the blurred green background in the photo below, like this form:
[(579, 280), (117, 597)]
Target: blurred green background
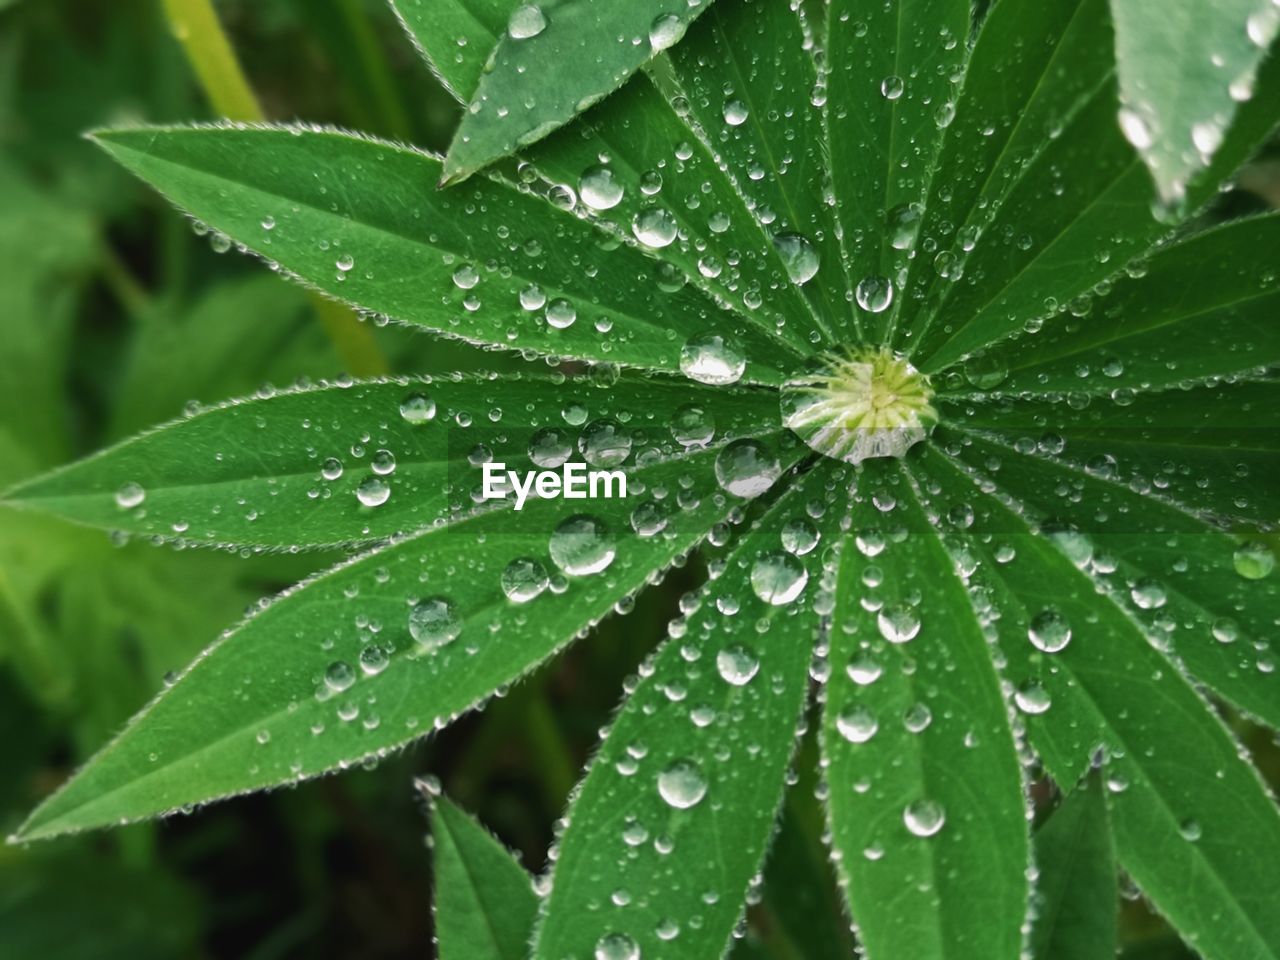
[(114, 314)]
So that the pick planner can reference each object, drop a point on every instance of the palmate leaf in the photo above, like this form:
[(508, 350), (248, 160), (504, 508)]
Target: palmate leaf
[(674, 815), (484, 901), (552, 62), (1182, 74), (987, 218), (1076, 898)]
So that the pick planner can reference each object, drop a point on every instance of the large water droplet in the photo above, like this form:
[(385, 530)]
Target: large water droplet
[(747, 468), (666, 31), (604, 443), (737, 664), (526, 21), (599, 188), (856, 723), (434, 622), (417, 408), (799, 256), (1254, 560), (524, 579), (1031, 697), (863, 669), (924, 818), (617, 946), (682, 784), (778, 578), (1049, 631), (582, 545), (693, 425), (654, 227), (713, 359), (898, 622), (373, 491), (130, 495), (874, 294)]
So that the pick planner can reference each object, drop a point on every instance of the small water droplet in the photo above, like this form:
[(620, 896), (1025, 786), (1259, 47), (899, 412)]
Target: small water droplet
[(924, 818), (1049, 631), (1253, 560), (582, 545), (130, 495), (434, 623), (524, 579)]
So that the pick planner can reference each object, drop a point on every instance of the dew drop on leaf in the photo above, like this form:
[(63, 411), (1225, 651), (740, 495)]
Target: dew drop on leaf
[(331, 469), (856, 723), (339, 676), (654, 227), (582, 545), (524, 579), (898, 622), (1253, 560), (747, 468), (417, 408), (924, 818), (666, 31), (374, 659), (682, 784), (862, 669), (693, 425), (433, 623), (735, 113), (778, 578), (799, 536), (526, 21), (737, 664), (1148, 594), (599, 188), (604, 443), (130, 495), (373, 491), (1032, 698), (712, 359), (799, 256), (617, 946), (1049, 631), (874, 294)]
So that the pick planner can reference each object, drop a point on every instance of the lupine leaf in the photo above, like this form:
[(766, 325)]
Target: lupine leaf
[(455, 36), (673, 818), (330, 673), (1182, 70), (885, 120), (924, 788), (1076, 894), (484, 901), (552, 62), (1192, 822), (363, 221), (1199, 309), (303, 468)]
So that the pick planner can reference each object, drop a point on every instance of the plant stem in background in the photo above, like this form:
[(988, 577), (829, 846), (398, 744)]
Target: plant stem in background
[(196, 26)]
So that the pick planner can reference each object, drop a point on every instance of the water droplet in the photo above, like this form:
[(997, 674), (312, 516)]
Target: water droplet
[(466, 277), (617, 946), (682, 784), (582, 545), (904, 221), (747, 468), (1191, 830), (1049, 631), (605, 443), (599, 188), (799, 536), (433, 623), (1135, 129), (383, 462), (374, 659), (737, 664), (130, 495), (1032, 698), (693, 425), (874, 294), (345, 263), (1253, 560), (891, 88), (339, 676), (856, 723), (417, 408), (561, 314), (331, 469), (924, 818), (1148, 594), (917, 718), (712, 359), (735, 113), (862, 669), (898, 622), (654, 227), (666, 31), (550, 447), (524, 579), (986, 371), (526, 21), (799, 256), (778, 578), (373, 491)]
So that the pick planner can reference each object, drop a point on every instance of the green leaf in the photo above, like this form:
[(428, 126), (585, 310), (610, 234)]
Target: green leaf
[(1201, 308), (1200, 610), (1042, 240), (749, 79), (673, 818), (1192, 822), (485, 906), (307, 467), (552, 62), (1183, 69), (455, 37), (925, 792), (1075, 914), (362, 221), (331, 673), (885, 120)]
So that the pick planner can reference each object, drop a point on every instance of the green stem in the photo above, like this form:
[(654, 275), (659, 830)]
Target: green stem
[(195, 24), (124, 286), (381, 84)]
